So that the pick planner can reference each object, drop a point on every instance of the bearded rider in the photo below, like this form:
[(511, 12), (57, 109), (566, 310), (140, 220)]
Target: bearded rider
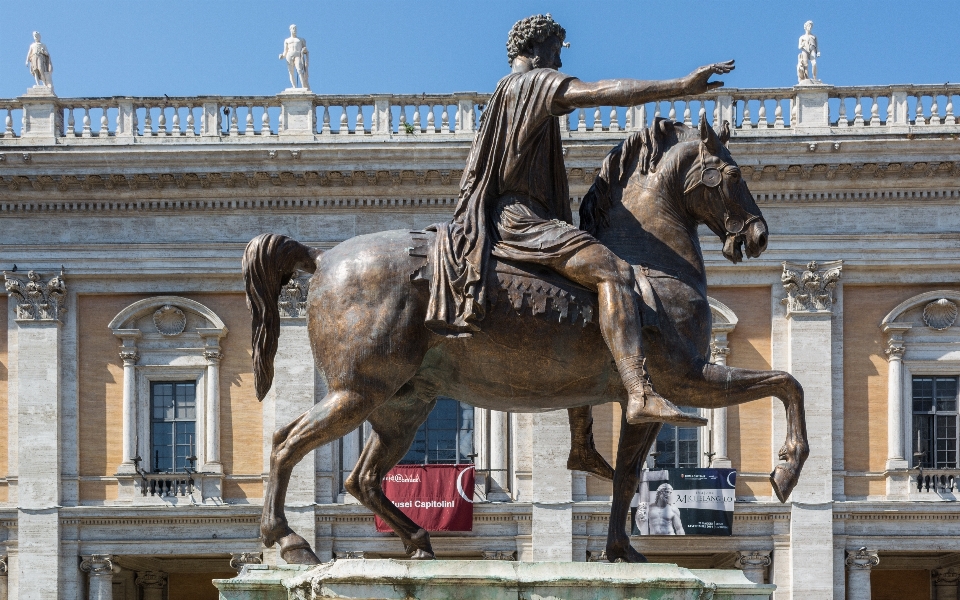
[(514, 203)]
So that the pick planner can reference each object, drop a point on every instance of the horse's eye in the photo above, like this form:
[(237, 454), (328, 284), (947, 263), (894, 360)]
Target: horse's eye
[(735, 175)]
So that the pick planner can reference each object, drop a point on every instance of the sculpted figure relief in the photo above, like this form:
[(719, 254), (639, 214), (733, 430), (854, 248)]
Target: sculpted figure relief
[(807, 59), (39, 63), (496, 307), (297, 57), (663, 516)]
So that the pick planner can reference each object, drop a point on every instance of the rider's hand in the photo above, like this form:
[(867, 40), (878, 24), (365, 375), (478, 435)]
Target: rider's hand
[(697, 82)]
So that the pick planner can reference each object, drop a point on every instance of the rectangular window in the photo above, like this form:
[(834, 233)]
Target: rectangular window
[(446, 437), (678, 447), (935, 422), (173, 423)]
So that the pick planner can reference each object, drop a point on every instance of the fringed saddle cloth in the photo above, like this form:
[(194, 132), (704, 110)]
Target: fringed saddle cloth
[(533, 288)]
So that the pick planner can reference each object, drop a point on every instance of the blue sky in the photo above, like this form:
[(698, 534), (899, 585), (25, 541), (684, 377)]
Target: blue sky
[(174, 47)]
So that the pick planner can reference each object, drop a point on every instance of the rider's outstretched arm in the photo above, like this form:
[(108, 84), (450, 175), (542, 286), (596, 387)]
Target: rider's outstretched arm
[(631, 92)]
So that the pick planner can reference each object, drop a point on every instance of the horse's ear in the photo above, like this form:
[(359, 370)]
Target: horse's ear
[(707, 135), (725, 133), (665, 127)]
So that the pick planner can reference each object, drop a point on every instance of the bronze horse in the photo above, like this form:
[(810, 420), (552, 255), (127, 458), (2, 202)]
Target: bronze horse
[(366, 311)]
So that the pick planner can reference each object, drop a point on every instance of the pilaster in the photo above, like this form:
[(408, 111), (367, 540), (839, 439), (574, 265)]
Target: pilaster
[(39, 307), (810, 305), (552, 489)]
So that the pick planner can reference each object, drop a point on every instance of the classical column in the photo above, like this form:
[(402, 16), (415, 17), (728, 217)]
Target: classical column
[(129, 356), (895, 351), (810, 347), (945, 583), (99, 568), (212, 433), (720, 458), (754, 564), (152, 584), (859, 564), (238, 561), (35, 391)]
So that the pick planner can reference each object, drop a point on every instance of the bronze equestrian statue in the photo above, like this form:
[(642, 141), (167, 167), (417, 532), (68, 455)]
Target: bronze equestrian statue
[(496, 308)]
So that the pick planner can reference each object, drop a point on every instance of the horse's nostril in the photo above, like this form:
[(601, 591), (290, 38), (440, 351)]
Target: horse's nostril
[(762, 241)]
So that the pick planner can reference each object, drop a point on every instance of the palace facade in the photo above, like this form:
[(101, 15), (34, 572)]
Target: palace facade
[(134, 454)]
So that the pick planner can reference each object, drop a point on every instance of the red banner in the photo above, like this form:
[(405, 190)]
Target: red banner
[(437, 497)]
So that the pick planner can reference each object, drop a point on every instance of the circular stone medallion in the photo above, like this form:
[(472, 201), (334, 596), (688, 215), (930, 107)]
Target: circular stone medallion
[(170, 320), (940, 314)]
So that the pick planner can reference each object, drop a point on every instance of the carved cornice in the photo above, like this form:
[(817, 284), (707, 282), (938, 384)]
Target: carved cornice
[(97, 564), (862, 560), (293, 297), (37, 300), (810, 287), (237, 561)]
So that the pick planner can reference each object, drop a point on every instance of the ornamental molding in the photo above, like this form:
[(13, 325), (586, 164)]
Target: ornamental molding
[(293, 297), (862, 560), (97, 564), (810, 287), (946, 577), (37, 300), (940, 314)]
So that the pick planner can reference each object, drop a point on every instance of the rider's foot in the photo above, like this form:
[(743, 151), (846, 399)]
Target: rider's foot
[(589, 460), (644, 404)]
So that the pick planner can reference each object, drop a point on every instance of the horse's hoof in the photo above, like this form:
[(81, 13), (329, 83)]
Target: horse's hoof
[(783, 480), (630, 555), (420, 554), (270, 534), (296, 551), (590, 462)]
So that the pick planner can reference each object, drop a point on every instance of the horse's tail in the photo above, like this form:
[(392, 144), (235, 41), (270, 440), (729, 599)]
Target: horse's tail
[(269, 261)]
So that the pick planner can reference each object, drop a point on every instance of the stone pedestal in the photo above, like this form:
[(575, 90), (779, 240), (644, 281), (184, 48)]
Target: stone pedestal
[(552, 490), (298, 117), (488, 580)]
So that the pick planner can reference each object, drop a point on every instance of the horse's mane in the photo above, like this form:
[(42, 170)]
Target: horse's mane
[(645, 148)]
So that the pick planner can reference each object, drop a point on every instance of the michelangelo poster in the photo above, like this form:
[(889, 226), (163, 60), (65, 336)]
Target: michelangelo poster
[(684, 502)]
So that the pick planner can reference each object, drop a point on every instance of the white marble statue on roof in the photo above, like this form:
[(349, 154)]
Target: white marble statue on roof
[(38, 60), (297, 57), (807, 59)]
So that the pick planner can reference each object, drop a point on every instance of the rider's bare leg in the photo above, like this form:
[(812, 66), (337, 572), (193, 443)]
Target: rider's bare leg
[(595, 266), (583, 452)]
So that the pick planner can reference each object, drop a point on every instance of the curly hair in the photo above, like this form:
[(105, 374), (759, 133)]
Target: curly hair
[(532, 30)]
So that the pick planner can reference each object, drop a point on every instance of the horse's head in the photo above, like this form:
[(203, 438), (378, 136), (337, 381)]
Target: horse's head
[(718, 196)]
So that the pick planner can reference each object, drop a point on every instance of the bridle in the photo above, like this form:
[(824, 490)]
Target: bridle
[(735, 218)]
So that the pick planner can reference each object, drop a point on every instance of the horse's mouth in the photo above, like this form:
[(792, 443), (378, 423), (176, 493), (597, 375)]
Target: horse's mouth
[(732, 248)]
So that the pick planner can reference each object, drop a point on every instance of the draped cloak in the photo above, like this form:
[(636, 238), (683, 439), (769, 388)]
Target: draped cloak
[(517, 152)]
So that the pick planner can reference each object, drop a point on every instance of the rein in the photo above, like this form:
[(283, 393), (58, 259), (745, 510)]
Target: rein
[(735, 218)]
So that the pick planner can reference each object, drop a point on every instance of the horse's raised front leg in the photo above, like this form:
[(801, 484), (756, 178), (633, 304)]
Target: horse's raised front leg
[(635, 443), (394, 427), (339, 413), (719, 386)]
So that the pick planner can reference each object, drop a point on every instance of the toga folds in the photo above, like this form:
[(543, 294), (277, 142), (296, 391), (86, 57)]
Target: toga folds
[(517, 160)]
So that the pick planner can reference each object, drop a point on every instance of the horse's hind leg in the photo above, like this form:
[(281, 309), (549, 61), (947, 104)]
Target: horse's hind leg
[(635, 443), (394, 427), (339, 413)]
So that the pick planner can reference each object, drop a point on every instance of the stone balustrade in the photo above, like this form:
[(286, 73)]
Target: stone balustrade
[(810, 110), (937, 481)]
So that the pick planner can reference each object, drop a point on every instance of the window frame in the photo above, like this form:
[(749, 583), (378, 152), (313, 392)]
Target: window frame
[(676, 441), (918, 368), (458, 439), (146, 376), (154, 421)]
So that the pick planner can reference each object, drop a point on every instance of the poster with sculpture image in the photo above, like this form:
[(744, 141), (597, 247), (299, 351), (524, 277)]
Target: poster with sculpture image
[(684, 502)]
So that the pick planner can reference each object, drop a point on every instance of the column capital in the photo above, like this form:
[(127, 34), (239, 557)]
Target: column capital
[(293, 297), (129, 356), (810, 286), (37, 299), (96, 564), (152, 579), (895, 350), (238, 561), (862, 559), (719, 353), (753, 559), (946, 577), (213, 355)]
